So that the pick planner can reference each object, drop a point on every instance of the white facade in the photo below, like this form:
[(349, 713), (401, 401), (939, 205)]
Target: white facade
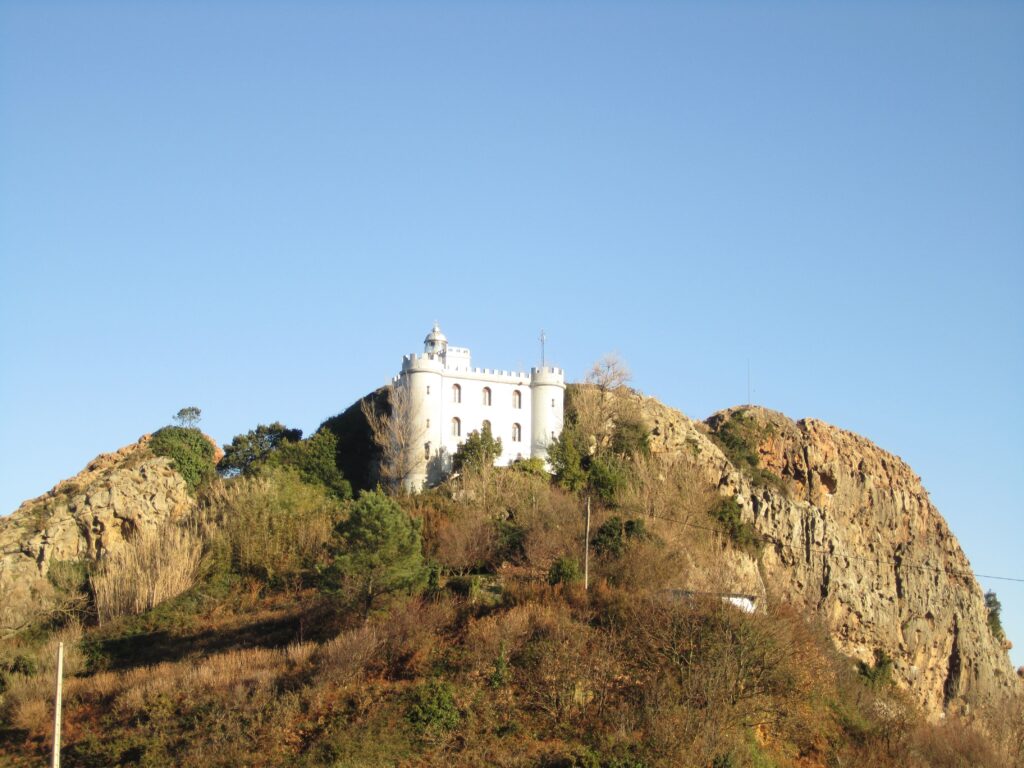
[(449, 399)]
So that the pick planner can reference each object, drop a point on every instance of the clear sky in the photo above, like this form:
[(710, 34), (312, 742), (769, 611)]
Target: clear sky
[(258, 207)]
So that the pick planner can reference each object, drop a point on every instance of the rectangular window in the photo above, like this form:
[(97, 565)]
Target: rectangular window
[(428, 389)]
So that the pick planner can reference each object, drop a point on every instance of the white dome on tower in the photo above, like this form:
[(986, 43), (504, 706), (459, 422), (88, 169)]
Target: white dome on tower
[(436, 342)]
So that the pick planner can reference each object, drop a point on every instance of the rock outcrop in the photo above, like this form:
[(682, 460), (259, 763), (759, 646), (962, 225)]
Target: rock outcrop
[(80, 519), (851, 535)]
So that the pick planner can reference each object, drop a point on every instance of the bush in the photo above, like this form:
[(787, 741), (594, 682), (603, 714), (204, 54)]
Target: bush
[(380, 551), (245, 452), (611, 538), (191, 453), (608, 477), (532, 466), (314, 460), (480, 450), (566, 457), (995, 622), (432, 709), (879, 674), (631, 437), (565, 570), (276, 526), (728, 512)]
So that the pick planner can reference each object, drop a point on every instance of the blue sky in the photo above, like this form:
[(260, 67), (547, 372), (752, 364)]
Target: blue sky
[(256, 208)]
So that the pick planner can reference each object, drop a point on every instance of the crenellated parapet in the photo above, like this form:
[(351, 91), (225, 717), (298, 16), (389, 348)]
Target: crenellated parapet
[(547, 376)]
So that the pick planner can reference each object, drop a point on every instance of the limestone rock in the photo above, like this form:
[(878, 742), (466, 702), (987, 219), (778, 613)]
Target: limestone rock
[(852, 536), (94, 512)]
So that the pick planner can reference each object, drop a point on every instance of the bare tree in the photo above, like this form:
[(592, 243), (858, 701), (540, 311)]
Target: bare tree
[(396, 433), (603, 401), (609, 374)]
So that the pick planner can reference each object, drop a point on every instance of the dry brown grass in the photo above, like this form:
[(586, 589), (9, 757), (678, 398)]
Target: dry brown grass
[(345, 658), (160, 563), (243, 672)]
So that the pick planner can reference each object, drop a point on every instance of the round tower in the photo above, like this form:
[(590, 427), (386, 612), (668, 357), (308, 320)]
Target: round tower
[(547, 388), (422, 379)]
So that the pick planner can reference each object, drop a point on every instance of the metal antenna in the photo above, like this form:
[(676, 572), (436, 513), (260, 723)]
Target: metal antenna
[(748, 381), (543, 339)]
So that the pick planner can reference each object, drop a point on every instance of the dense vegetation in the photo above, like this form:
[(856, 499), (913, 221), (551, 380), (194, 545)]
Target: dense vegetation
[(189, 449), (452, 628)]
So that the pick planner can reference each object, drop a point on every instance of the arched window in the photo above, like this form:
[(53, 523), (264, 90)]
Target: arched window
[(487, 395), (517, 399), (456, 427), (517, 433), (486, 426), (456, 393)]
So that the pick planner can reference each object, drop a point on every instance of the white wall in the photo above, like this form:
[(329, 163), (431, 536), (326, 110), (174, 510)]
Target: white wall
[(431, 379)]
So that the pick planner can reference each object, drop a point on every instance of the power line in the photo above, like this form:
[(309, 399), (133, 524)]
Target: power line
[(818, 550)]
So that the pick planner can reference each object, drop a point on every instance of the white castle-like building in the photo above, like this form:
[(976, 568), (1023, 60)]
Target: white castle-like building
[(448, 399)]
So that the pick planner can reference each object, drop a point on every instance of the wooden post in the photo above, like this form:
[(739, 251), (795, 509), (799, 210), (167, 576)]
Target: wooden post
[(56, 714), (586, 551)]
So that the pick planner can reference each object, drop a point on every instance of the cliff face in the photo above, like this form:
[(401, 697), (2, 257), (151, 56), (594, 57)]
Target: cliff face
[(81, 518), (852, 536)]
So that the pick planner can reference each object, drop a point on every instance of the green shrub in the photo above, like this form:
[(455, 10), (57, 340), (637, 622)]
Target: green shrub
[(191, 453), (532, 466), (611, 538), (728, 512), (607, 477), (566, 457), (631, 437), (995, 621), (479, 450), (432, 710), (314, 460), (565, 570), (379, 551), (245, 452), (879, 674)]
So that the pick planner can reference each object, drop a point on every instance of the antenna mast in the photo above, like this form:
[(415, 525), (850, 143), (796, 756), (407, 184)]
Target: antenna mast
[(748, 381), (543, 339)]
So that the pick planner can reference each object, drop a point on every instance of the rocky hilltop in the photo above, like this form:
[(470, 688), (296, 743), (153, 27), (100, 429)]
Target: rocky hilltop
[(851, 535), (81, 518), (847, 532)]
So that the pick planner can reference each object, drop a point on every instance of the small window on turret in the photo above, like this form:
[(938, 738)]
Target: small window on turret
[(456, 427), (517, 399), (487, 395), (552, 402), (428, 423), (456, 393), (517, 433), (428, 389)]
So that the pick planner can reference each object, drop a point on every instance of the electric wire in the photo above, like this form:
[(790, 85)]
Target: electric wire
[(879, 561)]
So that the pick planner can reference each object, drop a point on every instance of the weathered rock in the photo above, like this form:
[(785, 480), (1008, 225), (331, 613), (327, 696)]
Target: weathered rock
[(852, 535), (81, 518)]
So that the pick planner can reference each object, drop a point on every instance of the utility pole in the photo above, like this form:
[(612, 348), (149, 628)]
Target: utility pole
[(586, 551), (56, 714)]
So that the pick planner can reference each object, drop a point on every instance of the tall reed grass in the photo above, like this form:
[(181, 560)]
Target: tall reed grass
[(160, 563)]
